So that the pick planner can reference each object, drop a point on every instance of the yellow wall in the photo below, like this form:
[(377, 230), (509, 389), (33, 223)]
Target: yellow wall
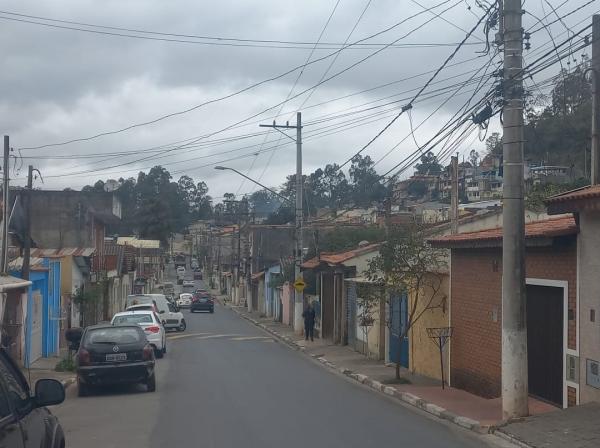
[(66, 274), (424, 355)]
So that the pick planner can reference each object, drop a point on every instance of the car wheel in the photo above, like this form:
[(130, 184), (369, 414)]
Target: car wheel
[(82, 389), (158, 353), (182, 325), (151, 383)]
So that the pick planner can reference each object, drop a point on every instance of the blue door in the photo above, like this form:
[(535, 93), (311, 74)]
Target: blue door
[(52, 312), (399, 320)]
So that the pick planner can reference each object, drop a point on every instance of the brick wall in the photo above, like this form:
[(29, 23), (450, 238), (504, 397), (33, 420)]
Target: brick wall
[(476, 307)]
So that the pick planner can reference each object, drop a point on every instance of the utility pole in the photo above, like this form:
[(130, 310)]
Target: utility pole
[(299, 295), (514, 300), (27, 242), (5, 205), (454, 196), (595, 165)]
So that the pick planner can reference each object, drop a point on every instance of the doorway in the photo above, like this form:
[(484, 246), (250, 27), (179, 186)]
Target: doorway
[(545, 342)]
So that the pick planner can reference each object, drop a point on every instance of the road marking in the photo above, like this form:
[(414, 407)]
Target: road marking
[(213, 336), (188, 335), (251, 338)]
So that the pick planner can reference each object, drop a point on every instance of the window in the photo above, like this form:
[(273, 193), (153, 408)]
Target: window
[(16, 390)]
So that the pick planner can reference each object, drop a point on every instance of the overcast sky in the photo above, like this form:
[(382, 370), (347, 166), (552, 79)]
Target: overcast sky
[(60, 84)]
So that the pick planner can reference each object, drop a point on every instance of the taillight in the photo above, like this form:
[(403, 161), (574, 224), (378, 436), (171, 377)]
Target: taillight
[(83, 357), (152, 329), (148, 353)]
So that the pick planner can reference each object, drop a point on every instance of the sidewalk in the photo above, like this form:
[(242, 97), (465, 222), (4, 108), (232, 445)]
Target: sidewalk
[(45, 368), (460, 407)]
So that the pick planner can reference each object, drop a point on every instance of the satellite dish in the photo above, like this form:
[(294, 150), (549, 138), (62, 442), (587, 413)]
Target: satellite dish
[(111, 185)]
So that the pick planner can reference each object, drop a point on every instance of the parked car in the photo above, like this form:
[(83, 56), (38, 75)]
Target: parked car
[(197, 274), (185, 300), (171, 319), (202, 302), (150, 323), (189, 284), (24, 419), (110, 354)]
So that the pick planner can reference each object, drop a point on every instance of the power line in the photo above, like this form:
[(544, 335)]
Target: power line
[(201, 40), (252, 86)]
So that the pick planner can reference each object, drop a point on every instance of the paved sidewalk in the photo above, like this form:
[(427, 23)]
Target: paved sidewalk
[(576, 427), (45, 368), (460, 407)]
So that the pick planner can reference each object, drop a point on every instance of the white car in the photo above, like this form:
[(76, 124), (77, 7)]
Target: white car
[(150, 323), (185, 300), (170, 317)]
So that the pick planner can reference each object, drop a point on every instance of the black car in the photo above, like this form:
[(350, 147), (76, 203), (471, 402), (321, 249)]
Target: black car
[(110, 354), (24, 420), (202, 302)]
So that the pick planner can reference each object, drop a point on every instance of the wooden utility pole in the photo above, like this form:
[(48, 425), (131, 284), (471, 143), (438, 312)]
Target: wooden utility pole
[(454, 196), (27, 242), (514, 301), (595, 165)]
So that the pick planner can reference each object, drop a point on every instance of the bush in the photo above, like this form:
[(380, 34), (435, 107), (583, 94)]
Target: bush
[(65, 365)]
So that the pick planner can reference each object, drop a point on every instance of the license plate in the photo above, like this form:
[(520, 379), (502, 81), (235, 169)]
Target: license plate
[(116, 357)]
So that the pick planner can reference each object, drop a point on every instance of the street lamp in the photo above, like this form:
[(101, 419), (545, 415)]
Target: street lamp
[(223, 168)]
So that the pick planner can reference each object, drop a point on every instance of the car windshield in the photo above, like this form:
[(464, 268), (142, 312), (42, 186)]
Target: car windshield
[(133, 319), (113, 335)]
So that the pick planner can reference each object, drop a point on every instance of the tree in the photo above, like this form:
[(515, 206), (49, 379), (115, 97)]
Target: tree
[(366, 184), (408, 264), (474, 158), (429, 164), (493, 144)]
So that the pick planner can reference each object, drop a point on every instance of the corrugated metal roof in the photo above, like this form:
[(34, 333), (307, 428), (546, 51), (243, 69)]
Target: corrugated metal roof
[(8, 282), (34, 263), (65, 251), (141, 244)]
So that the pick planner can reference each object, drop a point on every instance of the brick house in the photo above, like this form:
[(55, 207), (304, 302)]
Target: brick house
[(476, 309)]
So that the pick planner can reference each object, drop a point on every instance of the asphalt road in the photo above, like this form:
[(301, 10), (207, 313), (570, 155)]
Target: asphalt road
[(225, 383)]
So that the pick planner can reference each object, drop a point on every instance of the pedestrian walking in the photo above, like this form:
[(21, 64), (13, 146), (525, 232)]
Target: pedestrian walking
[(309, 322)]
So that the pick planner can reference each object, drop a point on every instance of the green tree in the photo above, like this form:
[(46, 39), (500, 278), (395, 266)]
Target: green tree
[(407, 263), (366, 186), (429, 164)]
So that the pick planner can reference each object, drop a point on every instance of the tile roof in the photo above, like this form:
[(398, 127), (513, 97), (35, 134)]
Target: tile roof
[(333, 258), (549, 228), (589, 192)]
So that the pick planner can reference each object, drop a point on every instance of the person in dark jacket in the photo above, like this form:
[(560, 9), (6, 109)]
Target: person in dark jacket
[(309, 322)]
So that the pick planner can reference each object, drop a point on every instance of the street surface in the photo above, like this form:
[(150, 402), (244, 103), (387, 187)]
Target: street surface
[(225, 383)]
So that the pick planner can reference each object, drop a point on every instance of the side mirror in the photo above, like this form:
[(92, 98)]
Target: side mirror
[(49, 392)]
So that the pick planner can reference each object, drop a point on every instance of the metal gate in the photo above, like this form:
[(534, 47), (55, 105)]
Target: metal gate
[(545, 342), (398, 321), (52, 314)]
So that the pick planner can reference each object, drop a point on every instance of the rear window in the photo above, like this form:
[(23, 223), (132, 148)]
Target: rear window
[(138, 300), (114, 335), (133, 319)]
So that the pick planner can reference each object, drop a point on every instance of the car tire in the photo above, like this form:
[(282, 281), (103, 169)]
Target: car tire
[(212, 311), (151, 383), (164, 350), (158, 353), (82, 389), (182, 325)]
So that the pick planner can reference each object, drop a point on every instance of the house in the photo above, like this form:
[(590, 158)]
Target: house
[(331, 269), (120, 272), (43, 310), (475, 309), (13, 313), (149, 265), (583, 355)]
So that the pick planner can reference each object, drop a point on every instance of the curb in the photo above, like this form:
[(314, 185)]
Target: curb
[(67, 382), (511, 439), (408, 398)]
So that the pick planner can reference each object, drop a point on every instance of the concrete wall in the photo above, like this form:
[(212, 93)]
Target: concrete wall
[(589, 300), (476, 310), (287, 300), (424, 357), (67, 219)]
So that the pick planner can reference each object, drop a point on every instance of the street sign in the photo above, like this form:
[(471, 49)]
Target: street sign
[(299, 284)]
